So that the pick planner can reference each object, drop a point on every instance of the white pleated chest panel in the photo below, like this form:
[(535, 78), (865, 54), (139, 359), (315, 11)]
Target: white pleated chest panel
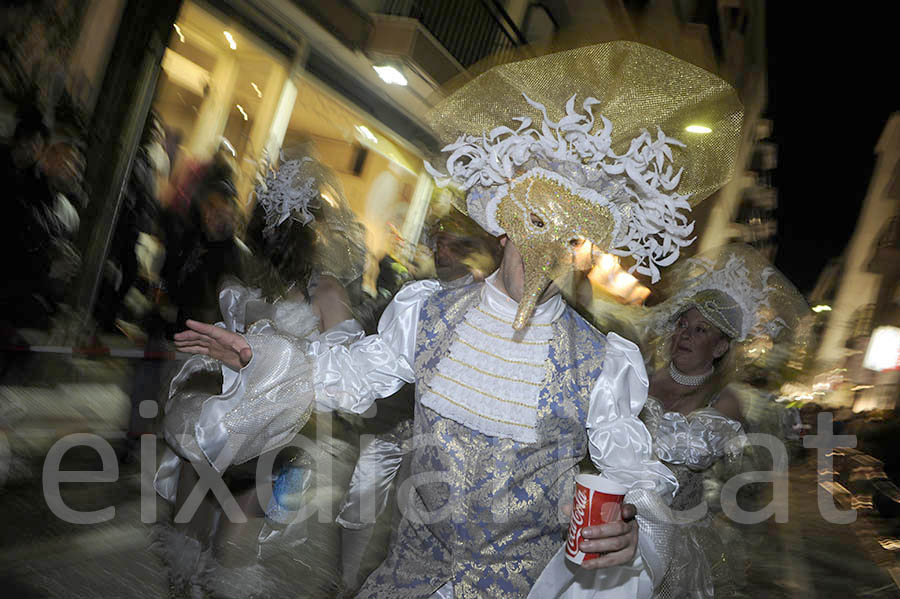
[(491, 379)]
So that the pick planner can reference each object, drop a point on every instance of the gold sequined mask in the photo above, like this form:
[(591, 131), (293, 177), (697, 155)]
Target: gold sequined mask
[(547, 218)]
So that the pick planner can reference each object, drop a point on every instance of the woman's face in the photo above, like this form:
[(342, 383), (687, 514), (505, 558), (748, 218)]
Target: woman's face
[(696, 343)]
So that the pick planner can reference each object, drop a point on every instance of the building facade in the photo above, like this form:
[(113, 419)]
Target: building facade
[(355, 78), (865, 291)]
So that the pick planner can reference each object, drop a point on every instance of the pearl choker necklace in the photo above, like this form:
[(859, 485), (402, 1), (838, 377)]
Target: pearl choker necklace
[(689, 380)]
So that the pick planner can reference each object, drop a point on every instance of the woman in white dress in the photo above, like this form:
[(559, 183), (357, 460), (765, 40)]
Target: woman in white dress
[(728, 309), (307, 251)]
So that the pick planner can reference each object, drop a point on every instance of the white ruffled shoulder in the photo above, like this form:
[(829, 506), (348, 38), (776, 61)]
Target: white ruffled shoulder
[(620, 445), (697, 440), (350, 376)]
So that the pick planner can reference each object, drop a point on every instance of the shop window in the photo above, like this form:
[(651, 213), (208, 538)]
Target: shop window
[(213, 94), (377, 170), (222, 89)]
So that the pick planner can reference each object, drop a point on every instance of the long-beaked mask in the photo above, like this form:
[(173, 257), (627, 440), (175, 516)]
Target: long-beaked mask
[(548, 218), (551, 184)]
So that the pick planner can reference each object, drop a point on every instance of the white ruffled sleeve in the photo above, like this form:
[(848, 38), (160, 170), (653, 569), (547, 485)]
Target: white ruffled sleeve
[(620, 445), (262, 406), (351, 377)]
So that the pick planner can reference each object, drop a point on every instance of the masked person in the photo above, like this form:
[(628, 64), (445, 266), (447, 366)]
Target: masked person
[(513, 387), (463, 252)]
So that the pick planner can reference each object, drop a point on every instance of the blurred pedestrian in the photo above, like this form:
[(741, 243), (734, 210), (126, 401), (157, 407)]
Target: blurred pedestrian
[(139, 213), (29, 224), (201, 249)]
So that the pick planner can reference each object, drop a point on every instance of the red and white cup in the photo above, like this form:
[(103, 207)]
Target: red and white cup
[(597, 500)]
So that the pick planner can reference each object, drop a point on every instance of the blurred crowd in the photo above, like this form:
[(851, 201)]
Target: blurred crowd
[(181, 230)]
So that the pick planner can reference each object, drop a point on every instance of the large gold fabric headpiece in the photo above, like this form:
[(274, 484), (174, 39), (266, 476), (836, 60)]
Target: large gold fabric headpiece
[(575, 177), (637, 87)]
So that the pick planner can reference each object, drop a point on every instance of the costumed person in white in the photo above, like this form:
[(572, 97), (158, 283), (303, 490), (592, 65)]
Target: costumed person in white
[(726, 310), (306, 248), (513, 387), (729, 308)]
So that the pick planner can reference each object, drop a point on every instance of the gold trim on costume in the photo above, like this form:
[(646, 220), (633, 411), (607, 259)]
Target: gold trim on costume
[(493, 355), (480, 392), (502, 338), (491, 374), (509, 322), (471, 411)]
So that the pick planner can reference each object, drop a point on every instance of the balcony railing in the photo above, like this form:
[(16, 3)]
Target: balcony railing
[(470, 30)]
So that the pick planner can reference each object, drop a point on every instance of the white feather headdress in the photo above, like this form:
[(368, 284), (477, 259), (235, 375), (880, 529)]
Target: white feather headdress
[(638, 185), (289, 192)]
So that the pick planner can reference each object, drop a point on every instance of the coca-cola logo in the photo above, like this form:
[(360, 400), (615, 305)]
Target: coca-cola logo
[(577, 522)]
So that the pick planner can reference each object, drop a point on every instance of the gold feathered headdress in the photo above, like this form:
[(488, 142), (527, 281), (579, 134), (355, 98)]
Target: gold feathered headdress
[(549, 175)]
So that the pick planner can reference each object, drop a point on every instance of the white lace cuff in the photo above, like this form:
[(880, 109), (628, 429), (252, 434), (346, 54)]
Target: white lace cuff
[(263, 406)]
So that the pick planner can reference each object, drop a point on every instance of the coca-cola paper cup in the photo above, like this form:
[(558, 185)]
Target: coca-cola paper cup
[(597, 500)]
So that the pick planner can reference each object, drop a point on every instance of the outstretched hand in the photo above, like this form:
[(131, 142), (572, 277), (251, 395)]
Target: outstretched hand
[(209, 340), (617, 541)]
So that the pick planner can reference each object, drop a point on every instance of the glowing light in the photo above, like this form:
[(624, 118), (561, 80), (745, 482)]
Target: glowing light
[(883, 352), (821, 308), (178, 31), (256, 89), (836, 489), (230, 39), (327, 197), (698, 129), (861, 502), (390, 75), (241, 109), (861, 387), (624, 282), (608, 262), (639, 294), (366, 134)]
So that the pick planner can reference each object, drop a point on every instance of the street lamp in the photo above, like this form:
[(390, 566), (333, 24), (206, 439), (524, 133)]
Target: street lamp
[(390, 74)]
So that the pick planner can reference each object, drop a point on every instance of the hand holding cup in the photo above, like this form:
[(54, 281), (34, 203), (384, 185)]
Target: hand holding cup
[(602, 530)]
